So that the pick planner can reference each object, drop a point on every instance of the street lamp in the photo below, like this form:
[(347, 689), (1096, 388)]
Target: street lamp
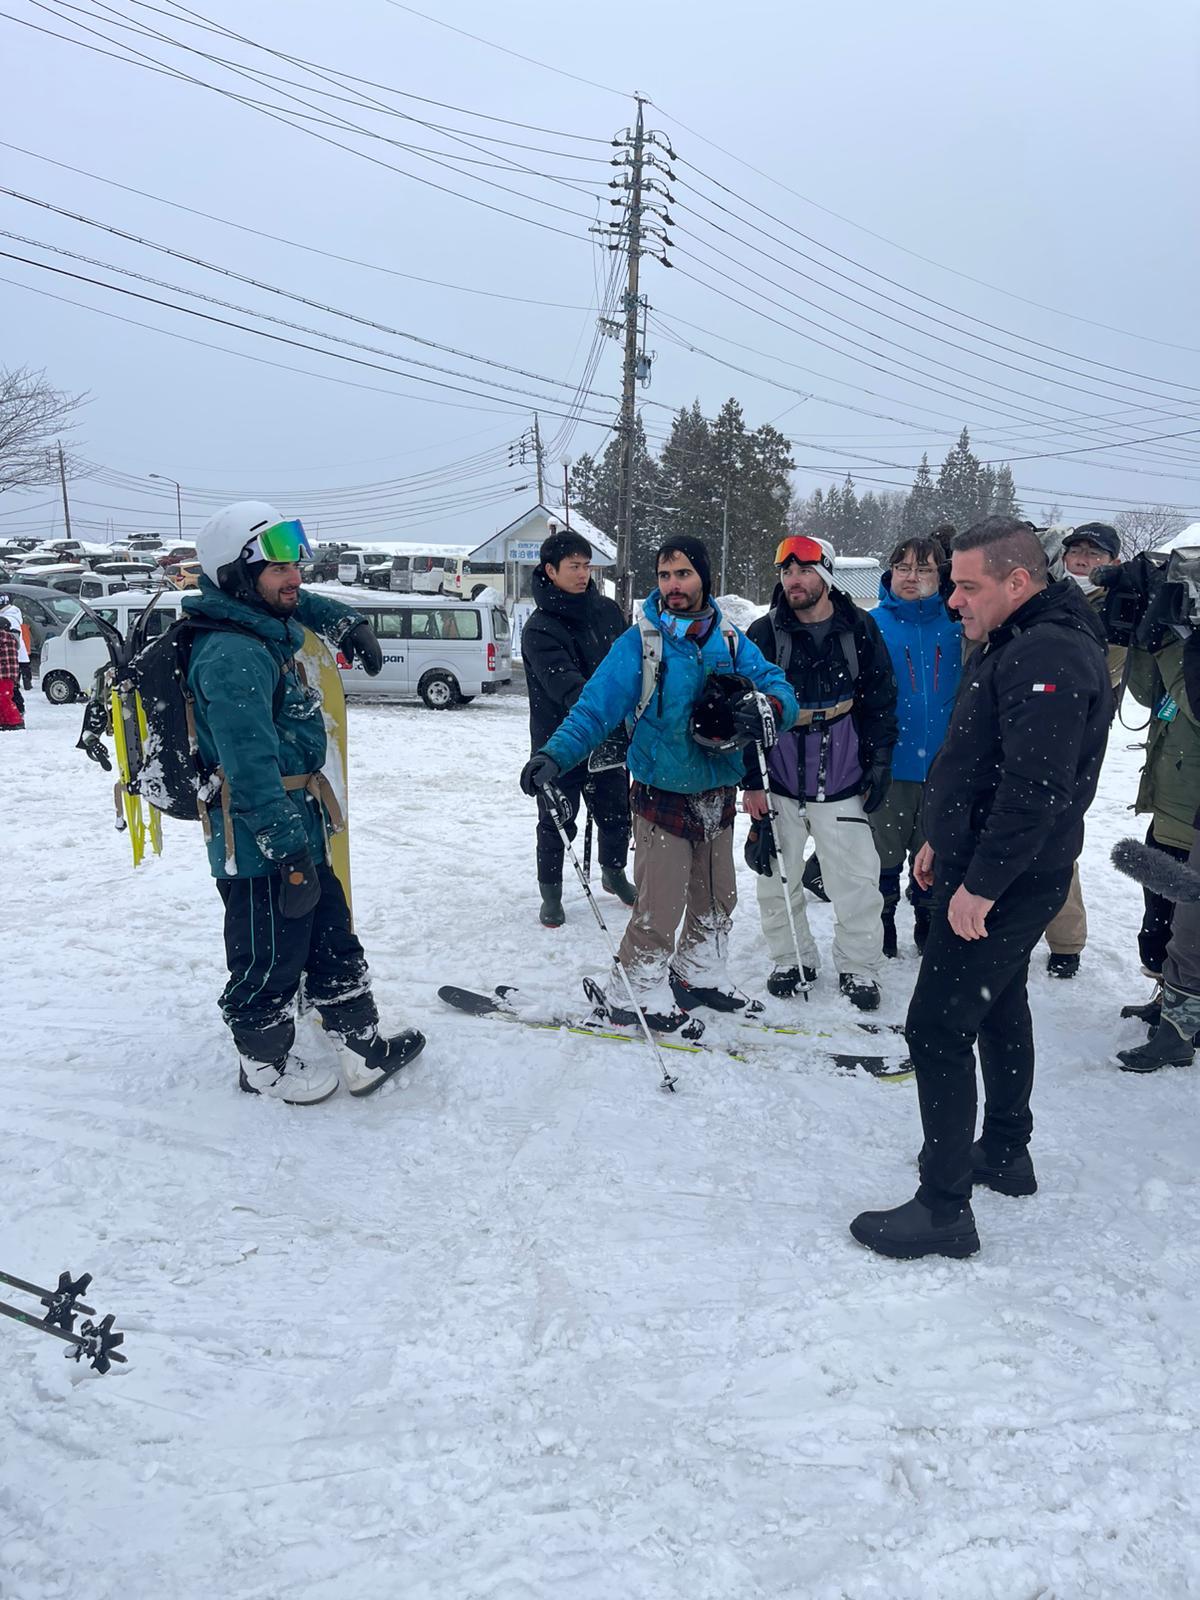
[(178, 501)]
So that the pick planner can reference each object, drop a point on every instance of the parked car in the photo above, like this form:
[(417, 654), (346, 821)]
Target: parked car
[(371, 569), (182, 574), (416, 572), (53, 575), (174, 553), (463, 578), (323, 568), (47, 611), (445, 651), (144, 543), (71, 660)]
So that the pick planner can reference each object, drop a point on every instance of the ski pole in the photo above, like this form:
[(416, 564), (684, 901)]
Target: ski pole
[(96, 1341), (61, 1303), (783, 877), (557, 805)]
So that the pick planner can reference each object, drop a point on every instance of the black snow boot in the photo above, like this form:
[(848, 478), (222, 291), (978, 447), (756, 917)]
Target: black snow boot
[(1013, 1174), (551, 914), (920, 926), (861, 992), (690, 995), (613, 879), (674, 1021), (910, 1231), (369, 1060), (1172, 1042), (889, 935), (784, 982), (1062, 966)]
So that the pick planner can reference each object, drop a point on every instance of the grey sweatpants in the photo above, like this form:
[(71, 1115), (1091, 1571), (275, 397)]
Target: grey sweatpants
[(674, 877), (1181, 969)]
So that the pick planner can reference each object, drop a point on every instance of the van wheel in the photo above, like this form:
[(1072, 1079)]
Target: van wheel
[(61, 689), (439, 691)]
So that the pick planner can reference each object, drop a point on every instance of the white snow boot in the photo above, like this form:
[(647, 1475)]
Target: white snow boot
[(291, 1080), (369, 1060)]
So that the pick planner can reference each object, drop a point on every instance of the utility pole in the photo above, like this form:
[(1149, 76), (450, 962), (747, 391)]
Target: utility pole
[(644, 220), (566, 492), (178, 502), (538, 459), (725, 539), (62, 478)]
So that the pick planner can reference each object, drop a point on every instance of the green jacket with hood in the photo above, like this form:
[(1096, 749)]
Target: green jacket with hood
[(1170, 784), (258, 721)]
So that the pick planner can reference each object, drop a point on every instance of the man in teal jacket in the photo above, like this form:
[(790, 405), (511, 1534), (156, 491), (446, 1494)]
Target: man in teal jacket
[(257, 720), (711, 693)]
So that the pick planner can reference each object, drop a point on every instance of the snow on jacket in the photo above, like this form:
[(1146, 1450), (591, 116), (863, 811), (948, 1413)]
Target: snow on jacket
[(562, 644), (821, 679), (1018, 769), (256, 718), (925, 645), (662, 752)]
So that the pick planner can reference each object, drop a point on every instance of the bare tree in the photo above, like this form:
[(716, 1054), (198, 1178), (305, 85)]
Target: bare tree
[(32, 416), (1146, 527)]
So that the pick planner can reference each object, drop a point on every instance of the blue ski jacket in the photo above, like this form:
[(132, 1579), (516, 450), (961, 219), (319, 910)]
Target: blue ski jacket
[(258, 721), (662, 752), (925, 645)]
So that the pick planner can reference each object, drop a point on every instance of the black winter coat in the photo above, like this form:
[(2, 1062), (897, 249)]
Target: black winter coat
[(823, 678), (1008, 790), (562, 644)]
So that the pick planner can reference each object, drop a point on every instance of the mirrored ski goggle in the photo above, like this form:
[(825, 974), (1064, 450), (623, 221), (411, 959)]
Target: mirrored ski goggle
[(282, 541), (798, 548)]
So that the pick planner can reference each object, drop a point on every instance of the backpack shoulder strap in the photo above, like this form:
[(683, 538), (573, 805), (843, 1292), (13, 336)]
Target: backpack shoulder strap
[(783, 645), (850, 651), (730, 635), (652, 661)]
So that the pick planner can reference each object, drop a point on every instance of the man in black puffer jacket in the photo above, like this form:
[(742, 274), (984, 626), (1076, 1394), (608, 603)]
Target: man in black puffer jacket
[(562, 644), (1003, 814)]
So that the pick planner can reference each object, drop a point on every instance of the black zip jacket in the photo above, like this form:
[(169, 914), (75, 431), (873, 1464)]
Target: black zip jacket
[(822, 678), (1008, 790), (562, 644)]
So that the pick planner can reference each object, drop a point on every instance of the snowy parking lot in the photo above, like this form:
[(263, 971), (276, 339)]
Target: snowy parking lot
[(523, 1326)]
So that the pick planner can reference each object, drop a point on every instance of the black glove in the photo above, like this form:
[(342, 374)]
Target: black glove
[(760, 848), (299, 886), (754, 718), (876, 784), (360, 640), (538, 771)]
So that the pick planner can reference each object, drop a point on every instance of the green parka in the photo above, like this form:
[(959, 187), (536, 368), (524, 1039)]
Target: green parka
[(258, 721), (1170, 784)]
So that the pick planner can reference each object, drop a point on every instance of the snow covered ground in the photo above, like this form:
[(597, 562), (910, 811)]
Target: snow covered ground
[(522, 1325)]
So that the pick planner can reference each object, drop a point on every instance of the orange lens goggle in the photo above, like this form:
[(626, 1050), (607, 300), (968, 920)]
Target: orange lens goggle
[(799, 548)]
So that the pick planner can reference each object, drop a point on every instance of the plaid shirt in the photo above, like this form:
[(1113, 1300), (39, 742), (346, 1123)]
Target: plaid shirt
[(687, 816), (9, 654)]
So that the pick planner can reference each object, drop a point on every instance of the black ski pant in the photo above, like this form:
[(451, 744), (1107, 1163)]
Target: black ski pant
[(607, 797), (1155, 932), (269, 954), (968, 990)]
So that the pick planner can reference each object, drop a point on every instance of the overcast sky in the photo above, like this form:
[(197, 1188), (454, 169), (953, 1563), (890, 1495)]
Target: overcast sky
[(1047, 150)]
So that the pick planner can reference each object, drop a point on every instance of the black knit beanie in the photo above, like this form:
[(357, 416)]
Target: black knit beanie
[(697, 553)]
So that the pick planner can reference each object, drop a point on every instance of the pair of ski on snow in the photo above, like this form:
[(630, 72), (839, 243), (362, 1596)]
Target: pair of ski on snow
[(504, 1004)]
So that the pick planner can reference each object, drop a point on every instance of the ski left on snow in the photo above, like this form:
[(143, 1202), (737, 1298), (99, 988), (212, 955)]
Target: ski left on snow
[(501, 1005)]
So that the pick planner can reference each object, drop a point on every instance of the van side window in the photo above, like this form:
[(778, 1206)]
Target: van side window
[(387, 624), (85, 628), (445, 623)]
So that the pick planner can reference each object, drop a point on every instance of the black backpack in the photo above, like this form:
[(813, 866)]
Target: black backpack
[(149, 679)]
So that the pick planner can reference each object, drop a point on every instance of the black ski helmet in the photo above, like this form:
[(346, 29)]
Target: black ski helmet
[(712, 723)]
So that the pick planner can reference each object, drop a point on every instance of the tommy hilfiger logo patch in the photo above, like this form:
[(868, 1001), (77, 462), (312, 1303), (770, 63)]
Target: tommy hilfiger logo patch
[(1044, 688)]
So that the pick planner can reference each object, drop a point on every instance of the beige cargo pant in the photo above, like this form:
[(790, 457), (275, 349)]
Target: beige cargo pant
[(689, 878), (1067, 934)]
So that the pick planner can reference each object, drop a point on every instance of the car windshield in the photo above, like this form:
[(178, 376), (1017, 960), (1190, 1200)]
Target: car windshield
[(64, 608)]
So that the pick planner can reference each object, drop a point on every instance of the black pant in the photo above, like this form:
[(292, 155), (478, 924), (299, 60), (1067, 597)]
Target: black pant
[(607, 796), (268, 954), (1155, 931), (971, 989)]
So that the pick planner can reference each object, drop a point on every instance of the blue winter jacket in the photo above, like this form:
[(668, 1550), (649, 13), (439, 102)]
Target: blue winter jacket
[(926, 650), (662, 752)]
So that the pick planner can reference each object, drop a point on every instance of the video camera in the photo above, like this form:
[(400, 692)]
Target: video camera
[(1151, 598)]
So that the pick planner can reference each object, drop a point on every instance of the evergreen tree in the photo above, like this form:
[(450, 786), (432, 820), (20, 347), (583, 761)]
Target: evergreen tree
[(921, 508), (958, 485), (1004, 498)]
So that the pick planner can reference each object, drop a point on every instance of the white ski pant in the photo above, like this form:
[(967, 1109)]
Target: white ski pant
[(850, 873)]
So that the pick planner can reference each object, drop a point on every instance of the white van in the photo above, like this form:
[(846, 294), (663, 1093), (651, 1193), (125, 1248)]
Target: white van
[(468, 579), (372, 568), (416, 572), (72, 659), (445, 651)]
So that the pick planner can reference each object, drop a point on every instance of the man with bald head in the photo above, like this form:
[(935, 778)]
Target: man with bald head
[(1003, 816)]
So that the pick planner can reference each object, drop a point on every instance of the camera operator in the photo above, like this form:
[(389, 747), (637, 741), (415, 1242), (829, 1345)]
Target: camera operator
[(1150, 605), (1091, 546)]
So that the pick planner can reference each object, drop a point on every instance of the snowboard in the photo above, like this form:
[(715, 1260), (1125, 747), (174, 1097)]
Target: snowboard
[(322, 675), (499, 1006)]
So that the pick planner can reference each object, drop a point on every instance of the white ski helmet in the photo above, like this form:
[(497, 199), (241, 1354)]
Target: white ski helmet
[(225, 536)]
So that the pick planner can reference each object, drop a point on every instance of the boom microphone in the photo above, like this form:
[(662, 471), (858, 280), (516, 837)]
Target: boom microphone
[(1156, 871)]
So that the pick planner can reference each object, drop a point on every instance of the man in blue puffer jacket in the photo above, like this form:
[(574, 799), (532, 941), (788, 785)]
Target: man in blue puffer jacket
[(925, 645), (261, 729), (684, 792)]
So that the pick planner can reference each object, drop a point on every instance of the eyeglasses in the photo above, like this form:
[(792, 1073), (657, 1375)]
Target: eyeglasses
[(282, 542), (909, 571)]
